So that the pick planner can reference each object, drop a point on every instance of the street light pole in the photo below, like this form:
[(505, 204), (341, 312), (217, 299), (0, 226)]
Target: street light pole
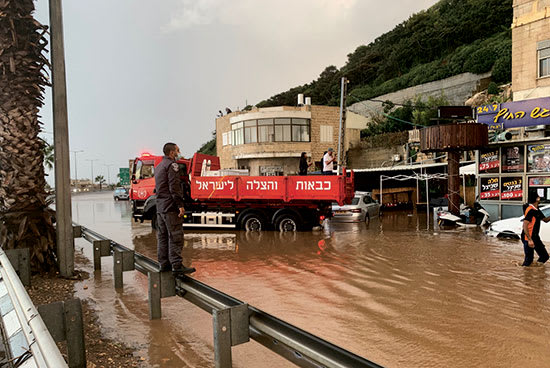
[(92, 166), (342, 124), (75, 165), (64, 224), (108, 172)]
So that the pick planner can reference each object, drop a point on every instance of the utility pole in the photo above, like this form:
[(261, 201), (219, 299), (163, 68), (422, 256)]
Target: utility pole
[(75, 166), (64, 225), (92, 166), (342, 125)]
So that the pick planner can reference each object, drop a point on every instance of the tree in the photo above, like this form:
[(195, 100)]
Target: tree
[(100, 180), (209, 148), (25, 216), (49, 158)]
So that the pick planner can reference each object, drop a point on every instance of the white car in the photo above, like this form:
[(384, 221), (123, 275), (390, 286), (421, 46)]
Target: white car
[(361, 209), (511, 227)]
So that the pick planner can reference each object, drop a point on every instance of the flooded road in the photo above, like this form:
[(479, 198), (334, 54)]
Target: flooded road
[(393, 292)]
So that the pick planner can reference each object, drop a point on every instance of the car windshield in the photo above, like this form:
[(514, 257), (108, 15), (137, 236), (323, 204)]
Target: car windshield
[(546, 211)]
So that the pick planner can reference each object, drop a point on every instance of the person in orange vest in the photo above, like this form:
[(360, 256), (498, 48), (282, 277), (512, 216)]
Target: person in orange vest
[(530, 234)]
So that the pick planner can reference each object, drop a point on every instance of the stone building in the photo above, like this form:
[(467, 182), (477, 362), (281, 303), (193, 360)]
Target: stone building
[(531, 49), (269, 141)]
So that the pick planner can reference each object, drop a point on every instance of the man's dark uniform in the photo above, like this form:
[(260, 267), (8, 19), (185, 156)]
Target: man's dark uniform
[(169, 225)]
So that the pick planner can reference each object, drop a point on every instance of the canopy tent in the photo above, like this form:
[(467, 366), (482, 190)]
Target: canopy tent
[(465, 170)]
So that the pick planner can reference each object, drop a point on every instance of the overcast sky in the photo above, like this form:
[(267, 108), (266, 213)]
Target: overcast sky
[(141, 73)]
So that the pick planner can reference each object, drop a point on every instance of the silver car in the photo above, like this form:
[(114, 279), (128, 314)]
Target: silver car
[(121, 194), (362, 209)]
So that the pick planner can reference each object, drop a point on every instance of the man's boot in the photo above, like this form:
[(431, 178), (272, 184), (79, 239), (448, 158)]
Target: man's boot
[(181, 270)]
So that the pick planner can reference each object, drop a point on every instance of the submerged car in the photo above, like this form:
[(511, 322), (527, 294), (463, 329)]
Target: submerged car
[(121, 194), (510, 228), (361, 209)]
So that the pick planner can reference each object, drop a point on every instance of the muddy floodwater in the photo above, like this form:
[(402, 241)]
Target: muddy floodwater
[(393, 292)]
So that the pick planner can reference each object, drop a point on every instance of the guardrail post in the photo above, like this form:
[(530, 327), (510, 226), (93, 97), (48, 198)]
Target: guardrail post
[(77, 231), (64, 321), (20, 259), (161, 285), (231, 327), (222, 338), (239, 324), (102, 248), (123, 260), (117, 269), (155, 311)]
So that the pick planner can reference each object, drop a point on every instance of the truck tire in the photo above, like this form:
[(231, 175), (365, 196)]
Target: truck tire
[(286, 222), (253, 222)]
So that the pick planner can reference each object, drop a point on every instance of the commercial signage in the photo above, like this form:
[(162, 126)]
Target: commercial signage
[(512, 159), (539, 181), (488, 160), (489, 188), (538, 158), (512, 188), (515, 114)]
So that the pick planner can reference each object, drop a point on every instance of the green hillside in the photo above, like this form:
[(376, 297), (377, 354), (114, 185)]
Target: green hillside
[(452, 37)]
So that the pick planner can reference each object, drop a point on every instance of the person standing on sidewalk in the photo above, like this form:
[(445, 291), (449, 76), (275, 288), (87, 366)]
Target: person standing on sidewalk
[(530, 234), (170, 211)]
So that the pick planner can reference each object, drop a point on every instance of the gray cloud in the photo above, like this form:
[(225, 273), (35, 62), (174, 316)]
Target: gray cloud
[(140, 73)]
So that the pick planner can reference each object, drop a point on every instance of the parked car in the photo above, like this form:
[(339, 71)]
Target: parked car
[(121, 194), (510, 228), (362, 209)]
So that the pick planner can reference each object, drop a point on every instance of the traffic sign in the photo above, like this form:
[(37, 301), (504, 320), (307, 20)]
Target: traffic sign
[(124, 175)]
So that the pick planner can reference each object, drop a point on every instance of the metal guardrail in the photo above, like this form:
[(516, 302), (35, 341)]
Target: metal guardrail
[(235, 322), (28, 337)]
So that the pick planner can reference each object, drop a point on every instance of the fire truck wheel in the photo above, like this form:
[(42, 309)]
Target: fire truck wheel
[(287, 222), (253, 222)]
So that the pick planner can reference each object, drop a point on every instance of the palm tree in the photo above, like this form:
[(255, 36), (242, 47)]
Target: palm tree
[(25, 217), (49, 157), (100, 179)]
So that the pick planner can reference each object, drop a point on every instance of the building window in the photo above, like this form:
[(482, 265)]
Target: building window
[(271, 130), (326, 134), (250, 132), (227, 138), (238, 133), (543, 51), (282, 130), (266, 132), (300, 130)]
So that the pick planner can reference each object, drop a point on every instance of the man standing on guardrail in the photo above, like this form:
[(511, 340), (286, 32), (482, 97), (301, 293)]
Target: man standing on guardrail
[(170, 211)]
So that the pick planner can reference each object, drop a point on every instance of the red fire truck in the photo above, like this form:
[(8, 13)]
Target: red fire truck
[(220, 199)]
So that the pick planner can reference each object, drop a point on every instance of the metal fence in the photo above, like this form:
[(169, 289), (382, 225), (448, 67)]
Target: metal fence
[(234, 322), (29, 342)]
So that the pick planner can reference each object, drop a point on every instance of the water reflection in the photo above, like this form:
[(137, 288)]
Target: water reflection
[(392, 291)]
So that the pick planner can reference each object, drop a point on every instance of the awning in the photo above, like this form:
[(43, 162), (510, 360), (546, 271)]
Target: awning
[(468, 169)]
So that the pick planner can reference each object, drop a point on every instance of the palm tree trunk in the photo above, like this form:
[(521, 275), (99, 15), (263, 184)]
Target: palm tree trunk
[(25, 218)]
